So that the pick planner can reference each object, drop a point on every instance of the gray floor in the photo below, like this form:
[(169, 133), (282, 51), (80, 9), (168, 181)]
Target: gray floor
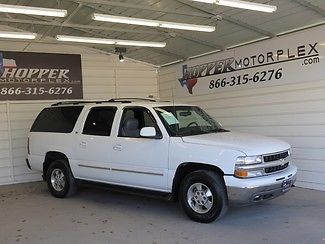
[(29, 214)]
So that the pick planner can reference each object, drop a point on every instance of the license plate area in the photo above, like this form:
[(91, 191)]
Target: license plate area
[(286, 185)]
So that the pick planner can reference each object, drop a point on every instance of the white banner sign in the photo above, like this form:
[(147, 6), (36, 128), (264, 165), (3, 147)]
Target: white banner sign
[(297, 57)]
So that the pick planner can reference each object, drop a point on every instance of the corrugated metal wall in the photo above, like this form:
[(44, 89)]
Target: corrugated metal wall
[(103, 77), (293, 112)]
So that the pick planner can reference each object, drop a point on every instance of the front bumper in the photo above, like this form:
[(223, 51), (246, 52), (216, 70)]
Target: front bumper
[(253, 190)]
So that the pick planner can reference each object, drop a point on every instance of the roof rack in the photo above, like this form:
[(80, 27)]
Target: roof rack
[(118, 100), (131, 98), (74, 102)]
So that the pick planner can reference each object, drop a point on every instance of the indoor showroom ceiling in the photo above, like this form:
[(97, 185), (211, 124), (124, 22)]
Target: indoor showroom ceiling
[(233, 26)]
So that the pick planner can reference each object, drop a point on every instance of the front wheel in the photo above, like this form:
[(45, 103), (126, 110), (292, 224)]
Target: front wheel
[(60, 180), (203, 196)]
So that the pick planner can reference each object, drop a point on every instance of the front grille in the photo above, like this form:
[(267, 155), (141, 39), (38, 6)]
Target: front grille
[(275, 157), (276, 168)]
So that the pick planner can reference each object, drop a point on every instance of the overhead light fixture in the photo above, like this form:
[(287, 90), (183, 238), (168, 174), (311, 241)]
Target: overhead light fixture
[(121, 58), (17, 35), (151, 23), (18, 9), (109, 41), (140, 43), (242, 4), (120, 50), (182, 26), (84, 39), (124, 20)]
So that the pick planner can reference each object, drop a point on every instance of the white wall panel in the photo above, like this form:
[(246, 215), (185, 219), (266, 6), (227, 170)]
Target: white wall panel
[(104, 77), (292, 112)]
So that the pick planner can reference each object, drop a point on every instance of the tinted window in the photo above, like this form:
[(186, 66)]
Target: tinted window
[(134, 119), (57, 119), (99, 121)]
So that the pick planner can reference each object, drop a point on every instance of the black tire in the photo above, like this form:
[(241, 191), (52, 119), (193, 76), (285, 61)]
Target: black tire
[(209, 203), (60, 188)]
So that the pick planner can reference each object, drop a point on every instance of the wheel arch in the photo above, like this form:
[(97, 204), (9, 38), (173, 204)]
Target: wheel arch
[(50, 157), (188, 167)]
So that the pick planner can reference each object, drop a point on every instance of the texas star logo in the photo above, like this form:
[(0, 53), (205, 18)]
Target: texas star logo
[(6, 63), (191, 74), (189, 83)]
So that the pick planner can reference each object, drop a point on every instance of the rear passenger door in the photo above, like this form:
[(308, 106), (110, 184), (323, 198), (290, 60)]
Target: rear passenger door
[(94, 142)]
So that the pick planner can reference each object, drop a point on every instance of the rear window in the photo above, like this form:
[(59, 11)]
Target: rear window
[(57, 119)]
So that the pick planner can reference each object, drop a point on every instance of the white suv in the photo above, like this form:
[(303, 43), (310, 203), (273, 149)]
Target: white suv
[(162, 147)]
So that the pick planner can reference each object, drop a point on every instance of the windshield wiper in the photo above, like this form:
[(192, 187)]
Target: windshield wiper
[(220, 130)]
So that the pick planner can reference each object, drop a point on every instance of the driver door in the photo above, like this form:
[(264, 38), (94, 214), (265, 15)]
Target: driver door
[(137, 161)]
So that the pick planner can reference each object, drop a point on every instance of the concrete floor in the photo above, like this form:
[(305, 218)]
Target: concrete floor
[(29, 214)]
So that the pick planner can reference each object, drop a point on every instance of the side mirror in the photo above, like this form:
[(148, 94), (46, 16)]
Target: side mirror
[(148, 132)]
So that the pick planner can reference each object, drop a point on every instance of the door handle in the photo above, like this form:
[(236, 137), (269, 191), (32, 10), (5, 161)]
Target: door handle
[(117, 147), (83, 144)]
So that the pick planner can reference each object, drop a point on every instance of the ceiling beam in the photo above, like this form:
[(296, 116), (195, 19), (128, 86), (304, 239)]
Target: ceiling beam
[(143, 7), (167, 53), (227, 18), (248, 26), (311, 6), (201, 42), (71, 15)]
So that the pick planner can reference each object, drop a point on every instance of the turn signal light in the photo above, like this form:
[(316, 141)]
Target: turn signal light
[(241, 173)]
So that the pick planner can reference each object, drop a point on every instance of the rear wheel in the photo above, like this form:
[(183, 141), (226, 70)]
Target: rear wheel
[(60, 180), (203, 196)]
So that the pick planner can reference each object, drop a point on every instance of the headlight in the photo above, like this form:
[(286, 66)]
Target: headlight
[(249, 160), (248, 166)]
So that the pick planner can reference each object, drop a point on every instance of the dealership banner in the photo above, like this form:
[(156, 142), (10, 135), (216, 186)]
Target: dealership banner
[(40, 76), (297, 57)]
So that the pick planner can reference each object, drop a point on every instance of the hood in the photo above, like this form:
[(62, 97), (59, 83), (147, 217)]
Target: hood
[(249, 144)]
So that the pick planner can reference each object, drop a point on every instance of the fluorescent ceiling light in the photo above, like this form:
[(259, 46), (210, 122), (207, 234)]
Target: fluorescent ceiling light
[(109, 41), (140, 43), (17, 35), (124, 20), (181, 26), (242, 4), (84, 39), (18, 9), (152, 23)]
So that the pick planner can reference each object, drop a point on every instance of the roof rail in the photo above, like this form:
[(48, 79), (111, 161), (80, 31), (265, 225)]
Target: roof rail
[(118, 100), (75, 102), (131, 98)]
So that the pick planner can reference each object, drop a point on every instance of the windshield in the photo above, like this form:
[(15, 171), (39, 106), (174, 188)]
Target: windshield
[(187, 121)]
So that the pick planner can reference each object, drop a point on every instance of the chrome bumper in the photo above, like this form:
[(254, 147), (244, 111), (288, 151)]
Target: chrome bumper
[(249, 191)]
